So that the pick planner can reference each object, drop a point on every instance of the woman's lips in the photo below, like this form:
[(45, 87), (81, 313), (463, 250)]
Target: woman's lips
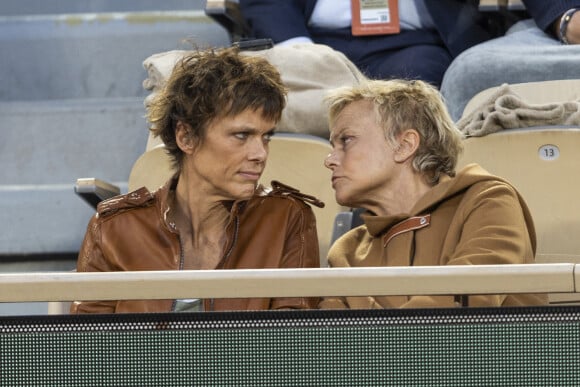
[(251, 175)]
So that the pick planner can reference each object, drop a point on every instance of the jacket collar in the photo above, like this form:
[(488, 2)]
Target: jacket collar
[(235, 207), (446, 188)]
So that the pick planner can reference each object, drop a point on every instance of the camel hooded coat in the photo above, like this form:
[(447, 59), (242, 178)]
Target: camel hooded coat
[(474, 218)]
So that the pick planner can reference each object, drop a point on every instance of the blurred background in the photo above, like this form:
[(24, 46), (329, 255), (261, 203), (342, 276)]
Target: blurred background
[(71, 106)]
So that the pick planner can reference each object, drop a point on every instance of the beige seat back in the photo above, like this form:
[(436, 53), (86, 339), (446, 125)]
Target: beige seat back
[(542, 163), (152, 169), (298, 160), (295, 159)]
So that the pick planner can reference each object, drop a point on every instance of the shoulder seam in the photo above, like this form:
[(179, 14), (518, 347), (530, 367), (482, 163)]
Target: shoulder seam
[(283, 190), (135, 199)]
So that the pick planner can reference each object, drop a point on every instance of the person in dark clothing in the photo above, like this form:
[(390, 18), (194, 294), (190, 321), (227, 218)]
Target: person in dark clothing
[(432, 32)]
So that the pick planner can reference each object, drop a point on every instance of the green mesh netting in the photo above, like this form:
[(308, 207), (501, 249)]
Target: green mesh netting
[(436, 347)]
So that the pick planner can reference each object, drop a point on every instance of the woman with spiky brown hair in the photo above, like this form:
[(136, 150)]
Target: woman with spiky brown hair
[(216, 115)]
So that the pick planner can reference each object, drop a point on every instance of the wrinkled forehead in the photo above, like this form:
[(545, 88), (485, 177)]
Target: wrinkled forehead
[(353, 111), (355, 116), (232, 114)]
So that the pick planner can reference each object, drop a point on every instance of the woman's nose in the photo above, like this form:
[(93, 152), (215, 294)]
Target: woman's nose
[(259, 151), (330, 161)]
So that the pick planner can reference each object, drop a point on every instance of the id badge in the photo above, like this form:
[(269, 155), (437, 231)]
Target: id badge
[(375, 17)]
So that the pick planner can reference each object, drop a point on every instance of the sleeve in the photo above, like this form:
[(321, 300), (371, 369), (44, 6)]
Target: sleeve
[(92, 259), (275, 19), (496, 229), (333, 303), (300, 251), (545, 13)]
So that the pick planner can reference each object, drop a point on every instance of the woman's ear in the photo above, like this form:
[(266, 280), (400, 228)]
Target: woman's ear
[(408, 144), (183, 138)]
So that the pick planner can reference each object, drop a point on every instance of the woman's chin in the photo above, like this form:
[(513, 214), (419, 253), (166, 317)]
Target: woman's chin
[(343, 200), (245, 193)]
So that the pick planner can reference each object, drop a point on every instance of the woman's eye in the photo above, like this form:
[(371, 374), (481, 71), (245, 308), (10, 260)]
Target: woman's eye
[(268, 137), (345, 139)]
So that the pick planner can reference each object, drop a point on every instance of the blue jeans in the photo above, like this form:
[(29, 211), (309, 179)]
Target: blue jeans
[(524, 54)]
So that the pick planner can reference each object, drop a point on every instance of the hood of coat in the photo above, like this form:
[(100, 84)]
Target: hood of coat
[(447, 187)]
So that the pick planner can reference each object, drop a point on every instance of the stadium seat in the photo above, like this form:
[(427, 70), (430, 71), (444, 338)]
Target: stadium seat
[(542, 163), (298, 160), (227, 13)]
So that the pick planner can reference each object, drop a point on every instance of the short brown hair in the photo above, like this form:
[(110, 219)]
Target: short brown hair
[(210, 84)]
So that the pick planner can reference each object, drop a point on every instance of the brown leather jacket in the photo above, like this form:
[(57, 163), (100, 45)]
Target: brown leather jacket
[(130, 233)]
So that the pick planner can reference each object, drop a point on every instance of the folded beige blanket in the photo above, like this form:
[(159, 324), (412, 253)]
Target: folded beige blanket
[(159, 67), (506, 110)]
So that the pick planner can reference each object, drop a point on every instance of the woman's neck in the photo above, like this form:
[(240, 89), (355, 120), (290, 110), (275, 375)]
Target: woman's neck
[(196, 212), (401, 195)]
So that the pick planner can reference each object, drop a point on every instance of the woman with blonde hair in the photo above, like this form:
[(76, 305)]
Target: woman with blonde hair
[(395, 149)]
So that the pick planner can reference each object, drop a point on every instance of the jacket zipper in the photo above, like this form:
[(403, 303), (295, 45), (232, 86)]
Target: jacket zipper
[(226, 256), (172, 229), (181, 259)]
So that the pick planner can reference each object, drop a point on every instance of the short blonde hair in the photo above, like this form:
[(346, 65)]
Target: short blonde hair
[(401, 105)]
